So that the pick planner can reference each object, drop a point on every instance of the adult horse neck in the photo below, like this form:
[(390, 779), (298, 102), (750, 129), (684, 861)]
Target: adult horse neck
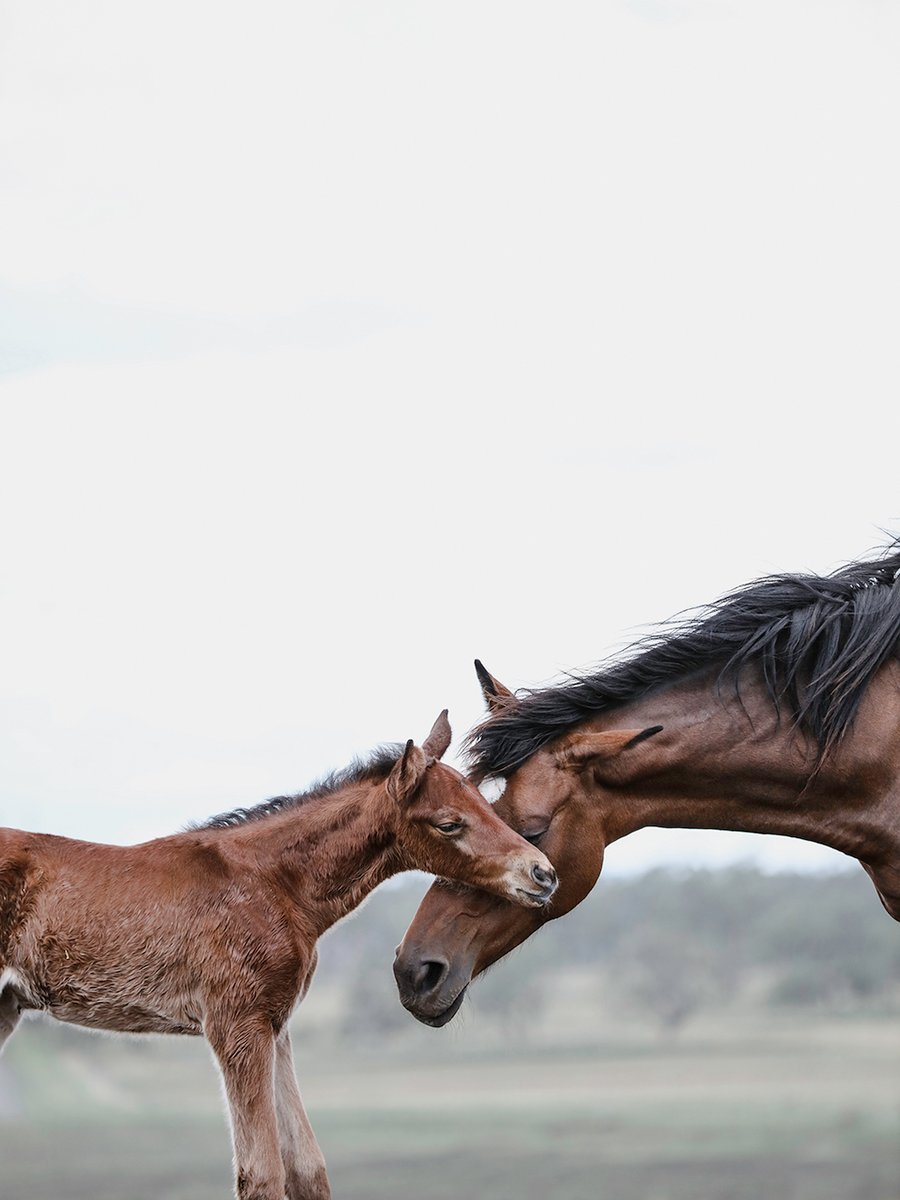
[(777, 711)]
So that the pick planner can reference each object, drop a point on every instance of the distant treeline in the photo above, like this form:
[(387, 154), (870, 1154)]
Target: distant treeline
[(663, 947)]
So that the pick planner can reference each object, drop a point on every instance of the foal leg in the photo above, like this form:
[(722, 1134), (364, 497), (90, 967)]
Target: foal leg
[(303, 1160), (245, 1049), (9, 1013)]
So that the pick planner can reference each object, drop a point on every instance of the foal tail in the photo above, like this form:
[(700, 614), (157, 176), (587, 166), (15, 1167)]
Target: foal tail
[(10, 1012), (14, 872), (13, 905)]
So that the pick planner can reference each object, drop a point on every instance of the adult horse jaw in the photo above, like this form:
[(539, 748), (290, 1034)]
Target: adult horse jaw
[(431, 985)]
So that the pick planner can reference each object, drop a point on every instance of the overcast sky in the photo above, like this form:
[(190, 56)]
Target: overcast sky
[(345, 342)]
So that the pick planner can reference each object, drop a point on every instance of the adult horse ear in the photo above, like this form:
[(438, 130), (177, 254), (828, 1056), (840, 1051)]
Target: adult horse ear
[(588, 748), (436, 744), (496, 696), (407, 773)]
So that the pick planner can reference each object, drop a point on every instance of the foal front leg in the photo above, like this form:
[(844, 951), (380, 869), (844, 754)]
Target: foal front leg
[(304, 1163), (245, 1049)]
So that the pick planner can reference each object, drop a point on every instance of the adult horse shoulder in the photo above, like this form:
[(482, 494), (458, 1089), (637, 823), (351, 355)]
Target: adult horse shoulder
[(213, 930), (775, 711)]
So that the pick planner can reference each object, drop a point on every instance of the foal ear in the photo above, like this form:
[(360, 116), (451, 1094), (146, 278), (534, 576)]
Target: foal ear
[(496, 696), (597, 747), (438, 741), (407, 773)]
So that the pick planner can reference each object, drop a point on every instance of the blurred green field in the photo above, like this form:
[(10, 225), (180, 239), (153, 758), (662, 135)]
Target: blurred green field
[(710, 1036), (787, 1109)]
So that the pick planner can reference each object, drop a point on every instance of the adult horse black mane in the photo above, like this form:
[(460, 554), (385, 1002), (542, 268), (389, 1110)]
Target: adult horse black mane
[(818, 640)]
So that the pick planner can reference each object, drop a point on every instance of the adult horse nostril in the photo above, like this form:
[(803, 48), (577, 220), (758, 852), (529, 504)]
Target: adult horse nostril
[(543, 878), (430, 975)]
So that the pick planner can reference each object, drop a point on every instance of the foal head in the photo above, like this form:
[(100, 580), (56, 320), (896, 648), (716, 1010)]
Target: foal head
[(448, 829)]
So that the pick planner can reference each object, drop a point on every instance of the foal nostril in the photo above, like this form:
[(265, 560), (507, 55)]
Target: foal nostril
[(430, 975), (543, 878)]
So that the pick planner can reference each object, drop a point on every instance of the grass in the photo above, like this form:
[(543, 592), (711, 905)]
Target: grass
[(792, 1109)]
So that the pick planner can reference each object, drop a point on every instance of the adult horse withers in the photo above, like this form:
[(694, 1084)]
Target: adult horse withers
[(776, 711), (213, 931)]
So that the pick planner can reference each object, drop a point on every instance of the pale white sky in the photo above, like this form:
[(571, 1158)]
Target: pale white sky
[(342, 343)]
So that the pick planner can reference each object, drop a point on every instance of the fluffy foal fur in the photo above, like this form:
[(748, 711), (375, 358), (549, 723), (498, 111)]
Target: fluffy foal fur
[(213, 931)]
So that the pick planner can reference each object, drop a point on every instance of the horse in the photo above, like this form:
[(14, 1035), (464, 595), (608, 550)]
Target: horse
[(213, 930), (776, 709)]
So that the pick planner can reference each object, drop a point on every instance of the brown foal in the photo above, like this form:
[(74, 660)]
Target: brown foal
[(777, 711), (213, 931)]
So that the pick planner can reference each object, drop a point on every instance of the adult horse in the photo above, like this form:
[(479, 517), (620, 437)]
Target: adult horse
[(213, 931), (777, 710)]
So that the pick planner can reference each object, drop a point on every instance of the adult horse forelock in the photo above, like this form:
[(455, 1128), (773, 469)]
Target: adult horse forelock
[(213, 931), (776, 710)]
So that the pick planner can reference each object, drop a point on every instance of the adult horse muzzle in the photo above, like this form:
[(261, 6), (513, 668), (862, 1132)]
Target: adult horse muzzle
[(428, 988)]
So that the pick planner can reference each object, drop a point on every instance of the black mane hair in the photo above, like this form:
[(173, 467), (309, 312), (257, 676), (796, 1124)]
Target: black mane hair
[(817, 640), (377, 766)]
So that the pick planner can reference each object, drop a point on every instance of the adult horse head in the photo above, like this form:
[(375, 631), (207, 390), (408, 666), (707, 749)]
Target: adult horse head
[(776, 711)]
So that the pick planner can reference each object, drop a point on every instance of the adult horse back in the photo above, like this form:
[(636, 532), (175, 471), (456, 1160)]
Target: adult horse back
[(777, 710), (213, 931)]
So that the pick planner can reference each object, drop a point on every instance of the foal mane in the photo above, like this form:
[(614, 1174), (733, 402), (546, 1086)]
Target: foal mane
[(375, 768), (818, 641)]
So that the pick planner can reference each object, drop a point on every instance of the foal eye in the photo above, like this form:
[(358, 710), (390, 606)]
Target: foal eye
[(534, 838), (449, 826)]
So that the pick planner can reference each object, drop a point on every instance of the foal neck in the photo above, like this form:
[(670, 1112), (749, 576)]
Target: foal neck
[(330, 852)]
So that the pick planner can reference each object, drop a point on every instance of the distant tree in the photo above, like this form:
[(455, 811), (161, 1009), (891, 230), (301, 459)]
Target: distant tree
[(667, 975)]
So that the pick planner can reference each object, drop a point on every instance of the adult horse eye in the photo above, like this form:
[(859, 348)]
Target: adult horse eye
[(535, 837)]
